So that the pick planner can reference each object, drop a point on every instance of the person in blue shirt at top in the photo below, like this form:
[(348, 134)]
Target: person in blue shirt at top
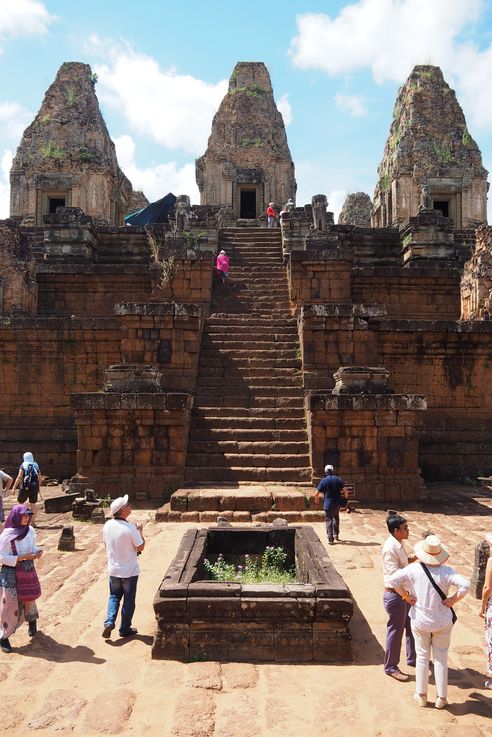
[(331, 487)]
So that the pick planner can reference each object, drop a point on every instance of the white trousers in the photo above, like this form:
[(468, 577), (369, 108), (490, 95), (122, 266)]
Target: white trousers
[(439, 641)]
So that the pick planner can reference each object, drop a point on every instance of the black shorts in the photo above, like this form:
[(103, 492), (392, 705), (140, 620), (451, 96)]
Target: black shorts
[(25, 494)]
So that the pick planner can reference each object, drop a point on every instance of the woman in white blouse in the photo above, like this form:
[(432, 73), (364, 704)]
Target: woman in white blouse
[(431, 612), (19, 584)]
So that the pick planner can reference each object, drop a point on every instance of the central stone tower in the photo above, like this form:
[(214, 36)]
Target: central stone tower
[(247, 163)]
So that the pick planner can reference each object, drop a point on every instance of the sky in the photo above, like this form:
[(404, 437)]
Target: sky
[(163, 68)]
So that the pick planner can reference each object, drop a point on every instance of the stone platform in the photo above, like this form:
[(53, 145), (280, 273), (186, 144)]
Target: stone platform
[(242, 503)]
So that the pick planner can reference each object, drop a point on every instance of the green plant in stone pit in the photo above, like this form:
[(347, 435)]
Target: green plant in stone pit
[(466, 138), (270, 567), (384, 182), (251, 142)]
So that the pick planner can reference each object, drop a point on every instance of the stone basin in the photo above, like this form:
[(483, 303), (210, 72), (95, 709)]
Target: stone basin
[(199, 619)]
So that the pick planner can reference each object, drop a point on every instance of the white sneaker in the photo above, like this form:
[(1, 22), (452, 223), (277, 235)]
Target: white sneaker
[(440, 703), (420, 700)]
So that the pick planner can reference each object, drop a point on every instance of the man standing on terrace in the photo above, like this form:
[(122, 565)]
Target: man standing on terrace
[(331, 487)]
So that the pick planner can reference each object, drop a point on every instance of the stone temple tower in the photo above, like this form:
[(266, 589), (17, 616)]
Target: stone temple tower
[(66, 157), (247, 163), (430, 155)]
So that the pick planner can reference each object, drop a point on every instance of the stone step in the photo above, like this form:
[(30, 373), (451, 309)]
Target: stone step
[(252, 382), (235, 390), (231, 423), (242, 343), (241, 400), (275, 498), (249, 435), (249, 373), (206, 474), (243, 447), (223, 318), (241, 330), (247, 460), (215, 359), (238, 355), (251, 412)]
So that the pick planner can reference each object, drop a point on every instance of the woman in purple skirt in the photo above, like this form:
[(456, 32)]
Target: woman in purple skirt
[(19, 582)]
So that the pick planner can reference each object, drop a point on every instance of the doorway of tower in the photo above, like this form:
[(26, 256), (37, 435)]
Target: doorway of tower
[(247, 204)]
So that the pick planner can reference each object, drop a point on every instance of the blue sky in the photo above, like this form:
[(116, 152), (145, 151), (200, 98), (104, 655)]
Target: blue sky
[(163, 68)]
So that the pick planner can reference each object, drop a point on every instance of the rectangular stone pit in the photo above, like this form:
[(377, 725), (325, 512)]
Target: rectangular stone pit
[(307, 621)]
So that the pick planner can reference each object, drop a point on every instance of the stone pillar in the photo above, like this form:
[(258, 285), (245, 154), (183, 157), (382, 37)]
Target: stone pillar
[(428, 236), (69, 235), (368, 433), (476, 282), (482, 553)]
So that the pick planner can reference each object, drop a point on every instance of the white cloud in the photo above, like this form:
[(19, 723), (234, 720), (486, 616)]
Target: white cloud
[(285, 108), (176, 110), (387, 36), (24, 18), (14, 118), (5, 165), (354, 105), (157, 180)]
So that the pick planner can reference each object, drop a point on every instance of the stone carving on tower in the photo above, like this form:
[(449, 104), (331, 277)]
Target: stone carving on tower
[(66, 157), (430, 160), (247, 163)]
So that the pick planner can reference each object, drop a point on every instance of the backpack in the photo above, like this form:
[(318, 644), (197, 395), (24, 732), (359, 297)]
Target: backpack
[(30, 481)]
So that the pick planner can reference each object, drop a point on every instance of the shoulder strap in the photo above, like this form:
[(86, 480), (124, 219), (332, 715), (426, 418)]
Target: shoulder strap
[(438, 589), (429, 576)]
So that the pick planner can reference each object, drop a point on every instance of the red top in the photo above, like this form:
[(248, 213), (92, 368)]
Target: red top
[(271, 212)]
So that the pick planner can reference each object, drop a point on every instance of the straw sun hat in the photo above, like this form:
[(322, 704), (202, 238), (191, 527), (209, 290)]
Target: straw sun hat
[(431, 551)]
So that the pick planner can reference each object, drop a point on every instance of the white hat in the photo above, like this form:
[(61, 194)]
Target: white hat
[(328, 468), (270, 204), (431, 551), (118, 504), (222, 252)]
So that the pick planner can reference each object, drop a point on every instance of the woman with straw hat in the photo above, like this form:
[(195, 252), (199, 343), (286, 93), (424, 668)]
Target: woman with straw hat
[(425, 585), (486, 612)]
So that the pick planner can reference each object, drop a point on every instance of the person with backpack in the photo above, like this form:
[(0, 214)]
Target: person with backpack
[(28, 481), (6, 482)]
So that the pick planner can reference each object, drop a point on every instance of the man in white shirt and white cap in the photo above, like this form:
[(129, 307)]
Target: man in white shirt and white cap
[(124, 542)]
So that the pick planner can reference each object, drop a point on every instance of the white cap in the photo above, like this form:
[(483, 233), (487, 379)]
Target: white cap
[(328, 468), (118, 504)]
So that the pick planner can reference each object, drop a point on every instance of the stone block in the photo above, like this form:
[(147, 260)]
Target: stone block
[(240, 642), (293, 643), (172, 642), (211, 608)]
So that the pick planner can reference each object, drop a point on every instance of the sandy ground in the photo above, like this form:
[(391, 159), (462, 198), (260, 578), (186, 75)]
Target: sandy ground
[(69, 680)]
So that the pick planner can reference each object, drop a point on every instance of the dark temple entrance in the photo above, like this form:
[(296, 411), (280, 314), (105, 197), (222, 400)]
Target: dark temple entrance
[(248, 204), (55, 202), (443, 206)]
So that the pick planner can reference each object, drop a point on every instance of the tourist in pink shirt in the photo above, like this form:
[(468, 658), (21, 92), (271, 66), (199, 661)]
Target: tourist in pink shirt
[(222, 265)]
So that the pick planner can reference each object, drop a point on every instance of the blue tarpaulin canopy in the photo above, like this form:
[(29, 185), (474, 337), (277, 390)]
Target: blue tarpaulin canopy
[(156, 212)]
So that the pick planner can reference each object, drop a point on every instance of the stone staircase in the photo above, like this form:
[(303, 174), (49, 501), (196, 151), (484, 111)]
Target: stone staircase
[(248, 420)]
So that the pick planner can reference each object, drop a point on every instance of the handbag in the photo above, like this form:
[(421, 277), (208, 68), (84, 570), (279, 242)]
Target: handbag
[(438, 589), (28, 586)]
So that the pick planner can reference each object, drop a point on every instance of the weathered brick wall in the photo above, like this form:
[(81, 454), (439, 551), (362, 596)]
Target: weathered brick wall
[(371, 439), (94, 289), (476, 283), (167, 335), (447, 362), (41, 362), (132, 443), (18, 291), (87, 290), (315, 281), (417, 293)]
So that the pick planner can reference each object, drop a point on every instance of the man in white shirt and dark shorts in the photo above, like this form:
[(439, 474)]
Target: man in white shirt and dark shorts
[(393, 558), (124, 542)]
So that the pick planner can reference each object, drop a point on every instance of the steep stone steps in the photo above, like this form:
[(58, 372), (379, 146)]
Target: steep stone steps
[(248, 421)]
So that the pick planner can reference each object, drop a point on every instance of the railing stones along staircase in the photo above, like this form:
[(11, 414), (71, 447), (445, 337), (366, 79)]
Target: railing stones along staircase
[(248, 420)]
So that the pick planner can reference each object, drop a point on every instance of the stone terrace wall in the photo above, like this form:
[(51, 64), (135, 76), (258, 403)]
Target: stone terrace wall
[(132, 443), (373, 439), (86, 290), (445, 361), (41, 362), (418, 293)]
